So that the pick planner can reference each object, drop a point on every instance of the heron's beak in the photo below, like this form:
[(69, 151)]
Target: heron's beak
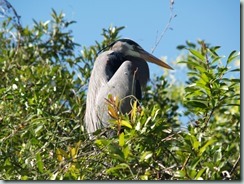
[(149, 57)]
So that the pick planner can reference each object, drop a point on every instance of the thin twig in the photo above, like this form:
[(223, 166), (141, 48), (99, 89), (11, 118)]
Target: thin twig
[(172, 15), (172, 156), (235, 165), (186, 161), (207, 120)]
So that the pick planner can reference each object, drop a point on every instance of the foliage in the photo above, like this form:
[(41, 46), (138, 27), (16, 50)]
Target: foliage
[(211, 146), (42, 104)]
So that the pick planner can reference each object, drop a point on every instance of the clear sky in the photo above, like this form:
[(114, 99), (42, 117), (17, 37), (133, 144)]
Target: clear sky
[(215, 21)]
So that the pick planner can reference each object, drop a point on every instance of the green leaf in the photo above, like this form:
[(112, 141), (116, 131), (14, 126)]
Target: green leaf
[(73, 152), (235, 80), (182, 62), (197, 54), (195, 162), (144, 177), (204, 77), (134, 111), (232, 56), (214, 49), (191, 88), (195, 143), (224, 87), (199, 174), (54, 176), (24, 177), (102, 142), (198, 66), (125, 123), (190, 44), (39, 162), (180, 47), (61, 154), (38, 129), (233, 105), (117, 167), (146, 155), (192, 173), (193, 74), (235, 70), (203, 88), (180, 174), (126, 151), (208, 143), (217, 58), (116, 152), (191, 95), (217, 156), (122, 139), (198, 103)]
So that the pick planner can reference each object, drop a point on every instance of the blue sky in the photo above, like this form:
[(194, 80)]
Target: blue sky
[(215, 21)]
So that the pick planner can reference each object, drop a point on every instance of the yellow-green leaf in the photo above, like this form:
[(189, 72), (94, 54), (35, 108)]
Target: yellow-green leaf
[(61, 154), (125, 123), (112, 112), (197, 54), (232, 56), (208, 143), (126, 151), (122, 139), (133, 111), (77, 146), (73, 152), (146, 155), (118, 167), (39, 162)]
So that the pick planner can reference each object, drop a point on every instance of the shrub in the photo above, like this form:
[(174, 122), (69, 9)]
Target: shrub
[(42, 104)]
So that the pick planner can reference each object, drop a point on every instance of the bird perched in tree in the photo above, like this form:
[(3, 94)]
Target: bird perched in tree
[(120, 71)]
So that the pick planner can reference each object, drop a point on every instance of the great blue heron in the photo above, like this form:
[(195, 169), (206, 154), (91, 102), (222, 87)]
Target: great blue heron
[(121, 71)]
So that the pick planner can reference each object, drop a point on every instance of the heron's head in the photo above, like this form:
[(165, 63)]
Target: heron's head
[(130, 48)]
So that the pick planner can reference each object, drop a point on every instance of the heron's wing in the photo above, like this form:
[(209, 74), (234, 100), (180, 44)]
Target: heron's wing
[(98, 78), (122, 85)]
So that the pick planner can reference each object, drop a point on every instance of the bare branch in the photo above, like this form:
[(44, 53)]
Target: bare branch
[(172, 15), (235, 165)]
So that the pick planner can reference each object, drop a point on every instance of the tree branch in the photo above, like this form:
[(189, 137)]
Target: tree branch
[(235, 165), (172, 15)]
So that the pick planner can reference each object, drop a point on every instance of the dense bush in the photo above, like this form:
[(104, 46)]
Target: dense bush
[(42, 102)]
